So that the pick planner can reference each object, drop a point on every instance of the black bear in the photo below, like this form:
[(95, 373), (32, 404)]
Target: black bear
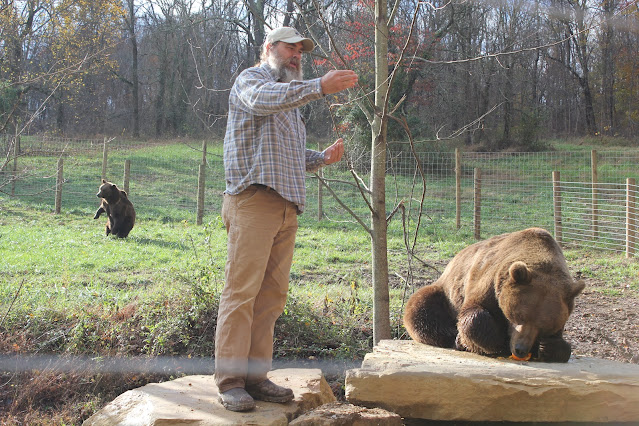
[(119, 209), (509, 294)]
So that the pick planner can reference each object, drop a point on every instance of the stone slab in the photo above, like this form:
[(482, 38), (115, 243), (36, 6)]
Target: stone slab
[(426, 382), (340, 414), (193, 400)]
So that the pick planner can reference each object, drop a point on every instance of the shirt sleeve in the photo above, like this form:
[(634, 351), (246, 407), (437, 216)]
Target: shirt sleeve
[(259, 94), (314, 160)]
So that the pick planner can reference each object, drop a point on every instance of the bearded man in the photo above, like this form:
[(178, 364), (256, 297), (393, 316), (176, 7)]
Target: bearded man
[(265, 161)]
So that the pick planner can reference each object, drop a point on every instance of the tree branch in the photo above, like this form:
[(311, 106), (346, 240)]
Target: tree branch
[(344, 206)]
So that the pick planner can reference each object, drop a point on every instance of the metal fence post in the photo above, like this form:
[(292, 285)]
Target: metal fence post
[(16, 151), (320, 194), (104, 159), (631, 217), (127, 173), (595, 194), (556, 198), (477, 211), (58, 187), (201, 185), (457, 188)]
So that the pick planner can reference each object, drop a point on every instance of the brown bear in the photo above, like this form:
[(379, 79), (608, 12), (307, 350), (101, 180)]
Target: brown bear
[(119, 209), (509, 294)]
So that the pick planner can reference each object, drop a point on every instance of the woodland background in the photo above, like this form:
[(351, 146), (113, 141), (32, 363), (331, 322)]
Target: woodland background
[(493, 74)]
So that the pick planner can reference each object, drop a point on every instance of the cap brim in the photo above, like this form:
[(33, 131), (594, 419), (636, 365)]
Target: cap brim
[(307, 43)]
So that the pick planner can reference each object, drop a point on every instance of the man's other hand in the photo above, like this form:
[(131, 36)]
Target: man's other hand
[(334, 153)]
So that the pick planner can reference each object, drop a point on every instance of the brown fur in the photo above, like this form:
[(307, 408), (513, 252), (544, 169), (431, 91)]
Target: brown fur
[(119, 209), (511, 293)]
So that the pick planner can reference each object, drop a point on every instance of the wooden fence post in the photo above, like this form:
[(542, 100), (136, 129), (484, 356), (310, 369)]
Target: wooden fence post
[(201, 186), (631, 217), (16, 151), (556, 198), (457, 188), (58, 187), (320, 192), (595, 194), (104, 159), (127, 173), (477, 212)]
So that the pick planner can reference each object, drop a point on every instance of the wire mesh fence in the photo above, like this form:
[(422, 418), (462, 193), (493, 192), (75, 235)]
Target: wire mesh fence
[(481, 194), (608, 222)]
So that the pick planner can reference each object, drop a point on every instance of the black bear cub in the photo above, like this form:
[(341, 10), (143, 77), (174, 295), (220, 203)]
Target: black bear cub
[(119, 209)]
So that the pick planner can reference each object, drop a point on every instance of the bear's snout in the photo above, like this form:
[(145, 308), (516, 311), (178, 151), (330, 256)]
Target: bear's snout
[(521, 351), (522, 339)]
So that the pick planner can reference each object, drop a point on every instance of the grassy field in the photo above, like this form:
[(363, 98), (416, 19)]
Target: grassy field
[(67, 290)]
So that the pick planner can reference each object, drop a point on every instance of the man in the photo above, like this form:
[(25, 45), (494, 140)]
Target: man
[(265, 161)]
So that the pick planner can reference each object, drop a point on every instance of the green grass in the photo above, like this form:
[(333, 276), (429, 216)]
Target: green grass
[(156, 292)]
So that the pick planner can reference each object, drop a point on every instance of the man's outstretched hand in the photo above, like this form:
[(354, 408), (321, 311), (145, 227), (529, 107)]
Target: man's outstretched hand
[(337, 80), (334, 153)]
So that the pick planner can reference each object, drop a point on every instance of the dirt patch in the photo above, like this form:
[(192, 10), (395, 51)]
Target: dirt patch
[(604, 326)]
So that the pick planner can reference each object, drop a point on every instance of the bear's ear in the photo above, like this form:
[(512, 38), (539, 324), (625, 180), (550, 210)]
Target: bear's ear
[(519, 273), (577, 288), (104, 181)]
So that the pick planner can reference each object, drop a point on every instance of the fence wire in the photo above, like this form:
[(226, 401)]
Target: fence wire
[(602, 222), (515, 189)]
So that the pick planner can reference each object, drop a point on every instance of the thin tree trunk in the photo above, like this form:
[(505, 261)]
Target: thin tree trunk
[(381, 299), (591, 123), (159, 101), (608, 65), (508, 106), (135, 81)]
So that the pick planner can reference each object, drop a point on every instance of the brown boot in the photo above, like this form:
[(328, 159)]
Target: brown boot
[(270, 392), (237, 399)]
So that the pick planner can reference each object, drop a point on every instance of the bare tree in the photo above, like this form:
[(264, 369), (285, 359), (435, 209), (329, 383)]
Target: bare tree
[(21, 23), (608, 49), (130, 22), (575, 54)]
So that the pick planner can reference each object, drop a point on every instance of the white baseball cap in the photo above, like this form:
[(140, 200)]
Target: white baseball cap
[(290, 35)]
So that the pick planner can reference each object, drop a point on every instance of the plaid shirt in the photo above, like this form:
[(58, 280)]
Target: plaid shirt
[(265, 139)]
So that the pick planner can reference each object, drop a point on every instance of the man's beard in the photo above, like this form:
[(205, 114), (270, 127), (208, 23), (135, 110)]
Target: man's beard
[(280, 65)]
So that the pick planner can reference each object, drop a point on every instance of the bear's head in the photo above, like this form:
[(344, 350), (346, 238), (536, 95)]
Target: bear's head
[(109, 191), (537, 303)]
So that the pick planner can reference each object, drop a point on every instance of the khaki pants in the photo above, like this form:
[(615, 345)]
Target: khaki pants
[(261, 228)]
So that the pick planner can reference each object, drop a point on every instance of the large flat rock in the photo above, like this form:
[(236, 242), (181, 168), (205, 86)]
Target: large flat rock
[(193, 400), (425, 382)]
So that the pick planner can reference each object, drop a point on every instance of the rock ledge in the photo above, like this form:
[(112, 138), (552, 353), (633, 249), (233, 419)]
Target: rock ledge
[(425, 382), (193, 400)]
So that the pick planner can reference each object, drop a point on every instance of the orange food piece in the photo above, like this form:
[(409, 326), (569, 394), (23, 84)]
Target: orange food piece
[(516, 358)]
